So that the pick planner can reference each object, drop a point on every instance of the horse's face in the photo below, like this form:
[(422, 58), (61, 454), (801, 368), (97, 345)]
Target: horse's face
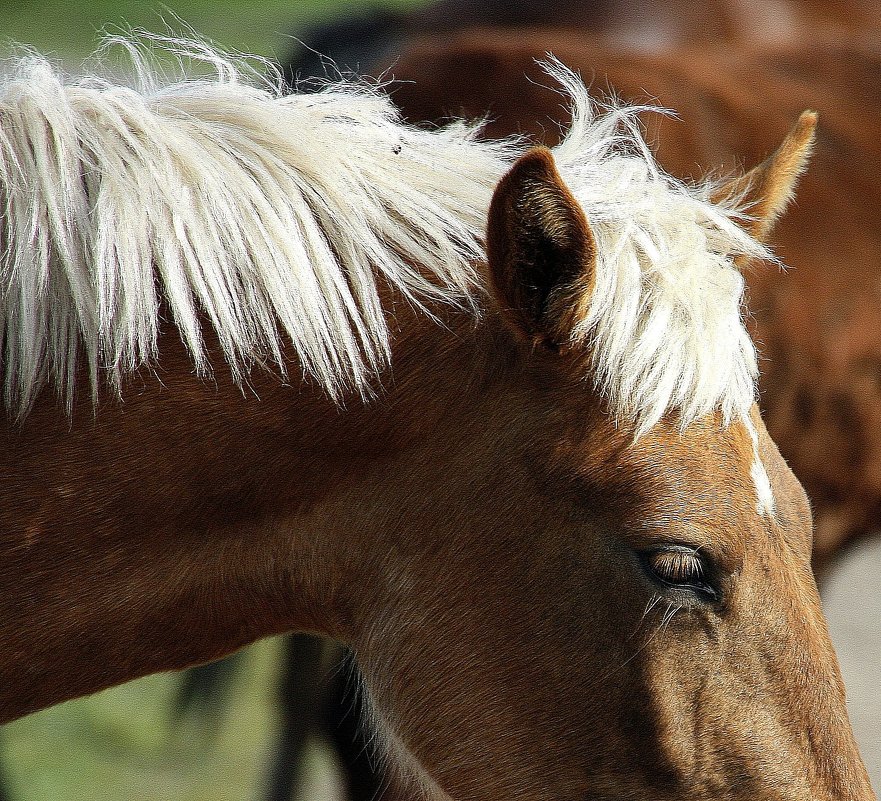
[(703, 667), (642, 621)]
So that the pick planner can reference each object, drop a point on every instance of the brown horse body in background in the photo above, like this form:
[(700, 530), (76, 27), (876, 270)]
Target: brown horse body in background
[(370, 41), (561, 580), (819, 325)]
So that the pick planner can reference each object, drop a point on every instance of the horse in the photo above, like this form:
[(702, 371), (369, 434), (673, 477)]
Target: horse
[(483, 412), (725, 66), (818, 325)]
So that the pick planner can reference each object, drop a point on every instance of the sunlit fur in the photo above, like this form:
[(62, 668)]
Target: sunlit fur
[(281, 218), (477, 536)]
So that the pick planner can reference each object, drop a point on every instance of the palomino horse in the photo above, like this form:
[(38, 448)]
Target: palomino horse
[(820, 325), (528, 484)]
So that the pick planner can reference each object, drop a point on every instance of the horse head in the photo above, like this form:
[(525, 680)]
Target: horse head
[(626, 609), (568, 557)]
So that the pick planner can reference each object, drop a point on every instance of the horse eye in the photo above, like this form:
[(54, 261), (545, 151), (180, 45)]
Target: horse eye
[(680, 566)]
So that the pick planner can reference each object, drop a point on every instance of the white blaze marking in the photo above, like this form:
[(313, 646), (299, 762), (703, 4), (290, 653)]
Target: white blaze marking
[(764, 493)]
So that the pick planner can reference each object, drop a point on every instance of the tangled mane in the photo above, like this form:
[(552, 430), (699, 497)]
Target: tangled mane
[(277, 218)]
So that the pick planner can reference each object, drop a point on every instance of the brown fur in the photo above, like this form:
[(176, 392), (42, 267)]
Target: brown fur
[(767, 189), (474, 534)]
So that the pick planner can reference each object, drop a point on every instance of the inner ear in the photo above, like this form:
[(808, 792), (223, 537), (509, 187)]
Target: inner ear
[(540, 249)]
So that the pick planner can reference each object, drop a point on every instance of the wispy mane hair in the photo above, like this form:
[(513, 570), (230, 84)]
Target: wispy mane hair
[(279, 218), (220, 196), (665, 323)]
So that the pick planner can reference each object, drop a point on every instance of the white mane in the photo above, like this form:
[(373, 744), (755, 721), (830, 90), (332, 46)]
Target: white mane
[(665, 322), (279, 218)]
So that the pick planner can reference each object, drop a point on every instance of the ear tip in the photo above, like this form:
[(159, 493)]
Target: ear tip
[(806, 127), (809, 117), (539, 152), (538, 159)]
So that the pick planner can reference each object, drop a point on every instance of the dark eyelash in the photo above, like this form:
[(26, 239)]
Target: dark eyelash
[(677, 566), (681, 567)]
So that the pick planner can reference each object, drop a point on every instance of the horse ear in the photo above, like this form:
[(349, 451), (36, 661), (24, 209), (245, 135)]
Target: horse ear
[(540, 249), (765, 191)]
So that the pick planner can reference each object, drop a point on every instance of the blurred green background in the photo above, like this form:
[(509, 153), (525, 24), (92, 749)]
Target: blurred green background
[(122, 744), (72, 29)]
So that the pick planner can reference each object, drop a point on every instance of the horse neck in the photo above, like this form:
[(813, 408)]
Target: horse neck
[(191, 518)]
